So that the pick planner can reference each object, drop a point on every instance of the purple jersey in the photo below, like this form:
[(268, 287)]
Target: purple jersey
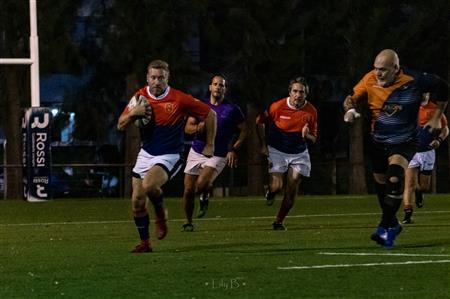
[(229, 116)]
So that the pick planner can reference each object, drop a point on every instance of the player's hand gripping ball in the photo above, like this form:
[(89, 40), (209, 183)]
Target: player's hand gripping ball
[(139, 100)]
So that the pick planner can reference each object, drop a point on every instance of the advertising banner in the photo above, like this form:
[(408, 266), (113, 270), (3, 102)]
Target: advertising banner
[(37, 154)]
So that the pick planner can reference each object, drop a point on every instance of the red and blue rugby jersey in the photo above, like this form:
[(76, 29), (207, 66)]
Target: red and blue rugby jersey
[(284, 125), (394, 108), (425, 137), (165, 133)]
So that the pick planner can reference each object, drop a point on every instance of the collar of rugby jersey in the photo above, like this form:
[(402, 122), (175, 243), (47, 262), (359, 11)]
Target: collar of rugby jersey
[(293, 107), (161, 96)]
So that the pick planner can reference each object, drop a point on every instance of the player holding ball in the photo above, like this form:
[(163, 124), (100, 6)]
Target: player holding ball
[(161, 145)]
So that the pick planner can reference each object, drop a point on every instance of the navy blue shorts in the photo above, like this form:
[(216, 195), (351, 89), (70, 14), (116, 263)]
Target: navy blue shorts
[(381, 152)]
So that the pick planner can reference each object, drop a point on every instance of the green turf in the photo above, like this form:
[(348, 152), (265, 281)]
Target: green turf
[(80, 249)]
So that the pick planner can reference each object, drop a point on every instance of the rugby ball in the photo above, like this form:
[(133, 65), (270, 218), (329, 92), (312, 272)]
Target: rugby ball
[(141, 100)]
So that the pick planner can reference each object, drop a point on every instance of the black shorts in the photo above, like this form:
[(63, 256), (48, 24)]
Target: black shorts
[(381, 152)]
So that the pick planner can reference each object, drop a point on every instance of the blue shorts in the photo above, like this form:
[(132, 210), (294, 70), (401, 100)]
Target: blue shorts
[(381, 152)]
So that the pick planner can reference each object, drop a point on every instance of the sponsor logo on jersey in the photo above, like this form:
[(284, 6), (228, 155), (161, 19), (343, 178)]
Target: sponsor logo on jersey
[(391, 109)]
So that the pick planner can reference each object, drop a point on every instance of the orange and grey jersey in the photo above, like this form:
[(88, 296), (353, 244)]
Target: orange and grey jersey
[(284, 124), (394, 108)]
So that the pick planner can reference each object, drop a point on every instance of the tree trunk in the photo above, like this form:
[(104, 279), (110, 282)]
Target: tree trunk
[(131, 139), (357, 175), (13, 135), (255, 172)]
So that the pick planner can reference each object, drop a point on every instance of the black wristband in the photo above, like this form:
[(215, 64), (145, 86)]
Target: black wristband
[(439, 139)]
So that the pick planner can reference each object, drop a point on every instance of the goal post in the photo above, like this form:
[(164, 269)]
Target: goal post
[(35, 125), (33, 60)]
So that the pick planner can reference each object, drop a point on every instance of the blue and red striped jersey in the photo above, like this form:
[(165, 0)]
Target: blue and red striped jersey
[(165, 133), (284, 125)]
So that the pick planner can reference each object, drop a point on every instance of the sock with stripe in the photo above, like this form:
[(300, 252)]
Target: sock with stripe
[(142, 226)]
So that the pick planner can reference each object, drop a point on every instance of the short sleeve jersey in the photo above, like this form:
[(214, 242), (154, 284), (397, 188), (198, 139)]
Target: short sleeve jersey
[(165, 133), (229, 116), (394, 108), (284, 125)]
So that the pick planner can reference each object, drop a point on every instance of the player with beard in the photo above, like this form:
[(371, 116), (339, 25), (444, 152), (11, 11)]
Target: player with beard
[(393, 95), (284, 131), (161, 144), (201, 170)]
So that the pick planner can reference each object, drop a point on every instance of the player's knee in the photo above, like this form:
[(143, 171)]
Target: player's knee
[(146, 186), (189, 190), (151, 189), (202, 185), (138, 207), (395, 179), (138, 197), (276, 186)]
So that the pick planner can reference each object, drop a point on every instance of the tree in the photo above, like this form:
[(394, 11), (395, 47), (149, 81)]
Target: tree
[(259, 51), (363, 29), (260, 45), (14, 29), (14, 92)]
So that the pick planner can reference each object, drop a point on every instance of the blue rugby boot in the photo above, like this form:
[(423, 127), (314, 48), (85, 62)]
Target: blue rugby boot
[(392, 233), (380, 235)]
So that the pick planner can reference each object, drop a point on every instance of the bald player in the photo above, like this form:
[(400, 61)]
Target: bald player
[(393, 95)]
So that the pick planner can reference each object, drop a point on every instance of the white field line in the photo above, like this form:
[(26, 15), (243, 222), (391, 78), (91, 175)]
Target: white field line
[(381, 254), (262, 199), (362, 265), (64, 223), (218, 218)]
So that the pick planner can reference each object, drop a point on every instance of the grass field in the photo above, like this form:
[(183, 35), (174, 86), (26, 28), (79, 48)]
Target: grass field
[(80, 249)]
